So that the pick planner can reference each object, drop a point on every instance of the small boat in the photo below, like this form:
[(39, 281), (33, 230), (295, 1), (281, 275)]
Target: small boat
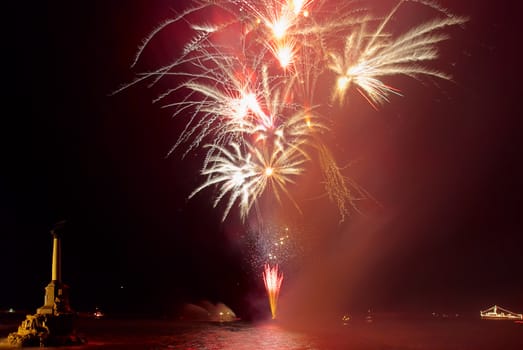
[(499, 313)]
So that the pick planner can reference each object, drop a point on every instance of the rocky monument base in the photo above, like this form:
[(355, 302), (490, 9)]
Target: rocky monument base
[(46, 330)]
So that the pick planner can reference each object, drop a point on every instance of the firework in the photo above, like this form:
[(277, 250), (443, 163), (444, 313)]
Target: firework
[(247, 86), (246, 176), (284, 243), (272, 279), (368, 56)]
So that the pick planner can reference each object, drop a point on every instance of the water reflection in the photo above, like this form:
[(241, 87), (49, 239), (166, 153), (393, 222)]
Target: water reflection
[(241, 337)]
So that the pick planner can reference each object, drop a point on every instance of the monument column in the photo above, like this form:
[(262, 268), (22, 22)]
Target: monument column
[(56, 274), (56, 298)]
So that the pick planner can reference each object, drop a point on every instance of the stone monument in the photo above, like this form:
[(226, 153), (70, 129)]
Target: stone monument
[(52, 325)]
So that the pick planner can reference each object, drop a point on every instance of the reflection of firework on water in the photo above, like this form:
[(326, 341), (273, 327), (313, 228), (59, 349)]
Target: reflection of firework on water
[(248, 87), (272, 279)]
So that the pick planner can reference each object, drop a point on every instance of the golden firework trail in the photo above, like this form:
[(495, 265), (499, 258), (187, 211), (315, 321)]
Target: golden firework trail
[(272, 279)]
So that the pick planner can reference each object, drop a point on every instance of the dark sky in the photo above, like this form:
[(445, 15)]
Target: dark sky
[(444, 161)]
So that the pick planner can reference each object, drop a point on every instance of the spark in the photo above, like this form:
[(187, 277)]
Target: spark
[(340, 190), (283, 243), (285, 53), (279, 27)]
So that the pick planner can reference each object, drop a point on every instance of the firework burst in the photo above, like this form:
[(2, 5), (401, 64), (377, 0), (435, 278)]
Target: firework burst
[(371, 55), (252, 102), (245, 174)]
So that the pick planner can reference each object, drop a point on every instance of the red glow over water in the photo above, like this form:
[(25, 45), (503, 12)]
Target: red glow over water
[(383, 333)]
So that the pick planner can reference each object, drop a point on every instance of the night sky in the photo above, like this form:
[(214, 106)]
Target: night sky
[(444, 162)]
